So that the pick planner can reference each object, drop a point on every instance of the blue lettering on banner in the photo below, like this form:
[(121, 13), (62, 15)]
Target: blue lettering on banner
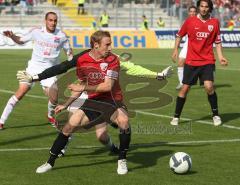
[(123, 42), (118, 41), (87, 42), (75, 43), (138, 41), (115, 42)]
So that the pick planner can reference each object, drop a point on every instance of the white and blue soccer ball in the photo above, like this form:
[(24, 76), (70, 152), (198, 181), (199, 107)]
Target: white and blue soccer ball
[(180, 163)]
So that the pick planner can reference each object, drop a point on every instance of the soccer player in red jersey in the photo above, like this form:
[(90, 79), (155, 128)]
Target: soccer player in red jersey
[(203, 31), (98, 72)]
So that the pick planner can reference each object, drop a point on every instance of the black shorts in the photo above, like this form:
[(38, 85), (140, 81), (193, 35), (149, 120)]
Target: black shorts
[(191, 74), (99, 111)]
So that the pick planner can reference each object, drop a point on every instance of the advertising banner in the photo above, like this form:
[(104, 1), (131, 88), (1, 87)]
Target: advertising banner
[(123, 39), (120, 39), (166, 38), (80, 39)]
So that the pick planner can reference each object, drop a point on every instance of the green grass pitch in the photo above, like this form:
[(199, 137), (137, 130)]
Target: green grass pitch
[(214, 151)]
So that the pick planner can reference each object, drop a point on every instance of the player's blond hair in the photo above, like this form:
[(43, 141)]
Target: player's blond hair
[(97, 36)]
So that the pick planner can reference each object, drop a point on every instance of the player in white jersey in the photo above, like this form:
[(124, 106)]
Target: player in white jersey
[(192, 11), (47, 44)]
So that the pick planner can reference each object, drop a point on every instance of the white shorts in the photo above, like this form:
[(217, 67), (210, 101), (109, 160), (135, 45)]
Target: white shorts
[(35, 69), (183, 52), (78, 102)]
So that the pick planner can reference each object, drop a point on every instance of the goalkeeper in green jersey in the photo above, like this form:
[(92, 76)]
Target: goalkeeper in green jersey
[(139, 71)]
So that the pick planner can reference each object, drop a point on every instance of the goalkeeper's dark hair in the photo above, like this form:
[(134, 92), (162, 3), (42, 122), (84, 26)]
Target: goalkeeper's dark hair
[(48, 13), (209, 2), (97, 36)]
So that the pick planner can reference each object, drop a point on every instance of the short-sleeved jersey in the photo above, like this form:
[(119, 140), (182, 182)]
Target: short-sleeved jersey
[(94, 72), (46, 46), (201, 36)]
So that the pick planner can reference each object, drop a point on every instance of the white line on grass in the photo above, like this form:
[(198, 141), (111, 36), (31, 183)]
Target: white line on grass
[(187, 119), (141, 112), (147, 144), (28, 95), (218, 68)]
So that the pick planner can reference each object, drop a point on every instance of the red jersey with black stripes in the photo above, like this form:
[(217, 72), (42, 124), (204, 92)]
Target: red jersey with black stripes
[(94, 72), (202, 34)]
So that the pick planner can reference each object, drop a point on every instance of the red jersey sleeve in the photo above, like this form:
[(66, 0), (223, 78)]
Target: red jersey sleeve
[(113, 67), (183, 30), (218, 36)]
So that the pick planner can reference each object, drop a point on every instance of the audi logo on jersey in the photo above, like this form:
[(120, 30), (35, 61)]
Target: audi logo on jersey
[(96, 76), (202, 34)]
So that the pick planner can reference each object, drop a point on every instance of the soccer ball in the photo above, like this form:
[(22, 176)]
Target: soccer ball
[(180, 163)]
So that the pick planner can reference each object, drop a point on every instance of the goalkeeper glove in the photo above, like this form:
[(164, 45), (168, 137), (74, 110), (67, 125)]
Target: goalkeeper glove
[(23, 76), (167, 72)]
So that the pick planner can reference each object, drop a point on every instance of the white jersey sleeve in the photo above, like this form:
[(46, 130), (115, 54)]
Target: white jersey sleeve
[(27, 37), (67, 48), (183, 52)]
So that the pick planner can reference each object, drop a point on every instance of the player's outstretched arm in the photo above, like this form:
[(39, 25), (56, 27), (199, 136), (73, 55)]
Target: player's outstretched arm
[(106, 86), (12, 36), (136, 70), (223, 61), (139, 71), (166, 73), (23, 76)]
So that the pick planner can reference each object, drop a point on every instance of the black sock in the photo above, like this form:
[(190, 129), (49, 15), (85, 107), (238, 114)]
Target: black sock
[(57, 146), (213, 102), (179, 106), (52, 159), (125, 138)]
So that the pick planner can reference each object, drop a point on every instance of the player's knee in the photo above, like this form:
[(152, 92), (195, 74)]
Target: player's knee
[(209, 89), (125, 130), (101, 135), (123, 122), (68, 129)]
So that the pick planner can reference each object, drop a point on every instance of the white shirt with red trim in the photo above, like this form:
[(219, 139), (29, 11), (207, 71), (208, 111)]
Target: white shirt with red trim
[(46, 46)]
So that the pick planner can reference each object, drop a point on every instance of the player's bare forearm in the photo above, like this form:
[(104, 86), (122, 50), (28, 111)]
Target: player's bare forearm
[(219, 50), (223, 61), (106, 86), (17, 39), (14, 37)]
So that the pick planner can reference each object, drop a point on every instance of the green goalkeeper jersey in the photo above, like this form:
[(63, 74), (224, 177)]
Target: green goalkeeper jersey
[(137, 70)]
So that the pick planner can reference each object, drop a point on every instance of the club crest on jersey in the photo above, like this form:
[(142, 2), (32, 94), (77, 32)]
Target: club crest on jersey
[(56, 39), (103, 66), (210, 28)]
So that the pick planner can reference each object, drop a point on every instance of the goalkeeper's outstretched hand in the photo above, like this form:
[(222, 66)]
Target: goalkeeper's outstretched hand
[(166, 73), (23, 76)]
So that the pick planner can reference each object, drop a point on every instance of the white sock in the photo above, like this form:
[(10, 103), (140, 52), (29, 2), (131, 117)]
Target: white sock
[(8, 108), (180, 74), (51, 108)]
